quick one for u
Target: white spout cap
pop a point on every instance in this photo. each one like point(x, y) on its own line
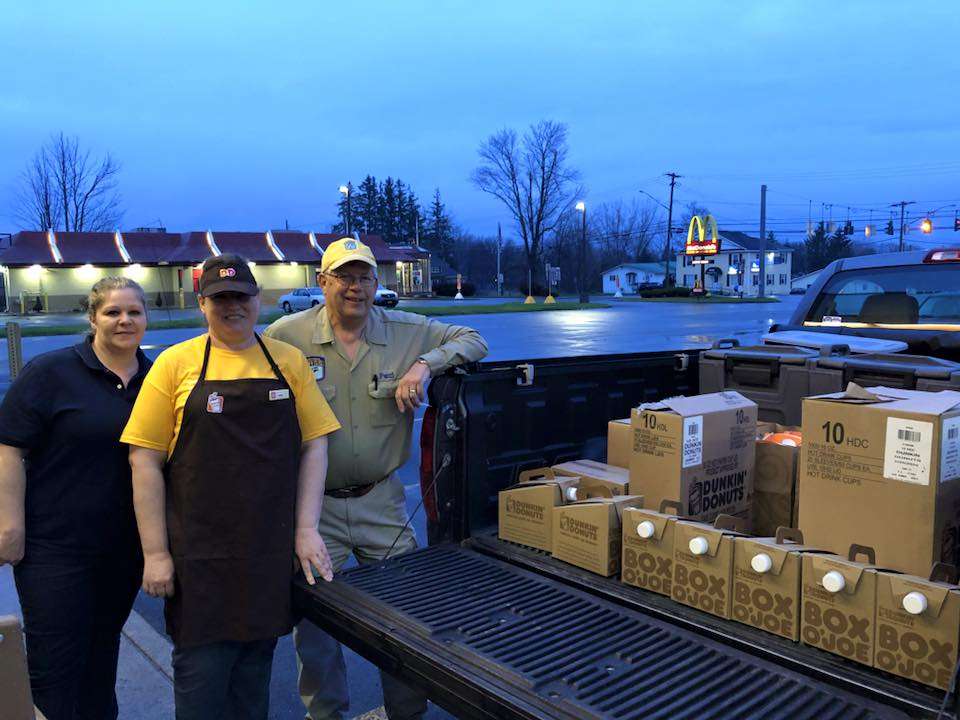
point(761, 563)
point(646, 529)
point(834, 582)
point(699, 545)
point(571, 494)
point(915, 603)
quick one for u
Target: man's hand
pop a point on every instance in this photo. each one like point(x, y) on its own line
point(410, 391)
point(158, 574)
point(311, 551)
point(11, 545)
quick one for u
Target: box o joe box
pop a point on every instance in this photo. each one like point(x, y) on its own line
point(619, 442)
point(703, 563)
point(839, 603)
point(697, 449)
point(525, 513)
point(595, 475)
point(648, 547)
point(588, 533)
point(918, 625)
point(766, 582)
point(881, 466)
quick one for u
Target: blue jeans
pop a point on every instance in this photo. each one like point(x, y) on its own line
point(229, 680)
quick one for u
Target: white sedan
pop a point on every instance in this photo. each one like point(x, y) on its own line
point(302, 299)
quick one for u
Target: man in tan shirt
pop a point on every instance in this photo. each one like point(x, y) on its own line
point(372, 365)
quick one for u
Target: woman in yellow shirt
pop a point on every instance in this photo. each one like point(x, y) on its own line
point(229, 455)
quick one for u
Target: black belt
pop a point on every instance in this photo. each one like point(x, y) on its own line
point(352, 491)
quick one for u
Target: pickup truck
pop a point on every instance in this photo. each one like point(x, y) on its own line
point(491, 629)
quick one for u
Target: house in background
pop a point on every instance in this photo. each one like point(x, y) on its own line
point(631, 277)
point(737, 265)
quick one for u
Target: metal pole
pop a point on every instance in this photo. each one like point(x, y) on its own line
point(349, 219)
point(14, 349)
point(499, 275)
point(763, 240)
point(666, 260)
point(584, 297)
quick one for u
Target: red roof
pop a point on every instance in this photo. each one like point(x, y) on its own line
point(190, 248)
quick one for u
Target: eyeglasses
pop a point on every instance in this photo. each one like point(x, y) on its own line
point(348, 280)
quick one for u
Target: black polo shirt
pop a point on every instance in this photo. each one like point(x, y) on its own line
point(68, 410)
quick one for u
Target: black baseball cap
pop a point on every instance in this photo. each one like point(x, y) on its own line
point(227, 273)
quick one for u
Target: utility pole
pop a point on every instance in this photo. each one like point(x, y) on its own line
point(666, 260)
point(584, 295)
point(499, 249)
point(903, 207)
point(763, 240)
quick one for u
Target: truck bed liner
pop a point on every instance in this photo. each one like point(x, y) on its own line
point(487, 639)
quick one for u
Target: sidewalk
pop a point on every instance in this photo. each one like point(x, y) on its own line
point(144, 676)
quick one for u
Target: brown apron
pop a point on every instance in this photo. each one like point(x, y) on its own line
point(231, 503)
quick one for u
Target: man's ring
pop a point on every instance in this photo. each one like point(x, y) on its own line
point(413, 391)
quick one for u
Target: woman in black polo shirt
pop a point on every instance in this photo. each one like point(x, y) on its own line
point(66, 507)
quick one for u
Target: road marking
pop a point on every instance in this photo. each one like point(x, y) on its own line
point(151, 644)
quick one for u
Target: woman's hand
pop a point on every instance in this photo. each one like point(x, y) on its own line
point(11, 545)
point(158, 574)
point(311, 551)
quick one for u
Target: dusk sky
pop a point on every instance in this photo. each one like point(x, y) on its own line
point(241, 115)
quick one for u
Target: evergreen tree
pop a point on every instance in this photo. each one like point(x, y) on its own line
point(340, 228)
point(388, 211)
point(366, 206)
point(439, 230)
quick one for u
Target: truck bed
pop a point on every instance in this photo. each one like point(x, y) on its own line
point(492, 630)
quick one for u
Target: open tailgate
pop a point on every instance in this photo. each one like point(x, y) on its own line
point(487, 638)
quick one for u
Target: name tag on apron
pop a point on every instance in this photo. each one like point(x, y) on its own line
point(280, 394)
point(215, 403)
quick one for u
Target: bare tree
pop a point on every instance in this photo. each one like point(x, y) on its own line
point(531, 177)
point(64, 188)
point(624, 231)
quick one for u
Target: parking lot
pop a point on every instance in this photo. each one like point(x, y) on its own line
point(622, 328)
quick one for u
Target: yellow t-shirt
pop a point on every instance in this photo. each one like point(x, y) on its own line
point(158, 412)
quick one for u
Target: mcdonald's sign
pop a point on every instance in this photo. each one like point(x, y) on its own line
point(702, 238)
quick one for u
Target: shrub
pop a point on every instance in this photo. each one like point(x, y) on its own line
point(468, 289)
point(676, 291)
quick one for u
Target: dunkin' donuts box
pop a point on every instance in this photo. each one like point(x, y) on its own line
point(766, 582)
point(594, 476)
point(526, 509)
point(697, 449)
point(881, 466)
point(648, 548)
point(588, 533)
point(619, 442)
point(918, 625)
point(839, 603)
point(703, 563)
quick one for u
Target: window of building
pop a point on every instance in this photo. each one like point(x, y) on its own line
point(631, 278)
point(783, 279)
point(613, 278)
point(756, 279)
point(769, 279)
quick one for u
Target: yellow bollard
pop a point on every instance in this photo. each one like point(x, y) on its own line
point(530, 300)
point(549, 300)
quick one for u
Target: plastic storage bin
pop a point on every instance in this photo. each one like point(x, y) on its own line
point(775, 377)
point(831, 373)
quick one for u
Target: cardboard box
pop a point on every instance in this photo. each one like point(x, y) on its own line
point(594, 476)
point(918, 626)
point(648, 548)
point(588, 533)
point(619, 442)
point(882, 467)
point(703, 563)
point(526, 509)
point(766, 582)
point(699, 450)
point(774, 482)
point(839, 599)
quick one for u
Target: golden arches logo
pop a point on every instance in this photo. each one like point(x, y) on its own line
point(699, 242)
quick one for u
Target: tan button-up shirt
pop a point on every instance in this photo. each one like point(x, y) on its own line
point(375, 437)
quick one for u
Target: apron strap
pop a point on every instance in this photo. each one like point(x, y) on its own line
point(206, 359)
point(266, 354)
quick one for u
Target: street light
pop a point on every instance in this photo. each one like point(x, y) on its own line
point(581, 207)
point(345, 190)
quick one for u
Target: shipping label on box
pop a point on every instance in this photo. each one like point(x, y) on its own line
point(839, 606)
point(766, 583)
point(595, 477)
point(918, 628)
point(699, 449)
point(619, 442)
point(588, 533)
point(887, 450)
point(703, 567)
point(648, 538)
point(525, 512)
point(775, 480)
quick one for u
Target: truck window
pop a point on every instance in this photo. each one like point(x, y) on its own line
point(921, 294)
